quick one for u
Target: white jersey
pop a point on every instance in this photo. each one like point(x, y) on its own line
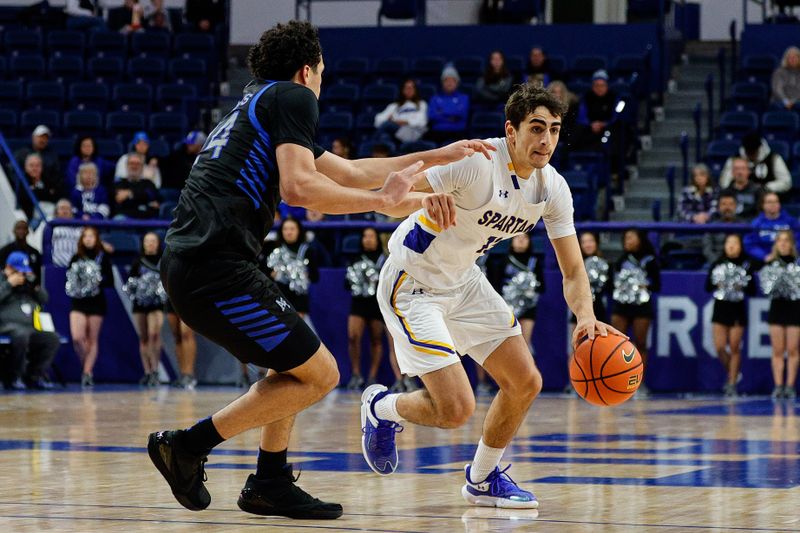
point(493, 203)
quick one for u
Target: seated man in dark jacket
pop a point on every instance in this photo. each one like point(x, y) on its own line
point(32, 350)
point(134, 196)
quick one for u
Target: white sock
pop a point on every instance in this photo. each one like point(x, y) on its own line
point(386, 408)
point(486, 460)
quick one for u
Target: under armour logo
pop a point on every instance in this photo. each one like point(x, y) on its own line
point(282, 303)
point(417, 291)
point(503, 194)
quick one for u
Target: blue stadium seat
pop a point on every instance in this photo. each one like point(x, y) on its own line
point(105, 69)
point(365, 126)
point(351, 244)
point(45, 95)
point(8, 122)
point(11, 94)
point(3, 68)
point(579, 87)
point(110, 149)
point(169, 195)
point(26, 68)
point(583, 193)
point(170, 126)
point(178, 97)
point(335, 123)
point(428, 69)
point(365, 148)
point(415, 146)
point(197, 45)
point(758, 67)
point(159, 148)
point(780, 125)
point(377, 96)
point(485, 124)
point(339, 97)
point(105, 44)
point(33, 117)
point(132, 97)
point(516, 66)
point(624, 65)
point(146, 69)
point(594, 164)
point(64, 148)
point(66, 43)
point(734, 124)
point(190, 72)
point(22, 42)
point(65, 69)
point(748, 96)
point(469, 67)
point(83, 123)
point(123, 124)
point(151, 44)
point(351, 70)
point(88, 96)
point(558, 64)
point(426, 91)
point(718, 153)
point(390, 69)
point(123, 242)
point(782, 148)
point(584, 66)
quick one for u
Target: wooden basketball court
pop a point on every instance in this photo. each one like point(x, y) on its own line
point(74, 461)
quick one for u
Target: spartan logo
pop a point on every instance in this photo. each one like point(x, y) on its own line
point(628, 357)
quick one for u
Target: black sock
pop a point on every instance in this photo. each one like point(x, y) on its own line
point(201, 437)
point(270, 464)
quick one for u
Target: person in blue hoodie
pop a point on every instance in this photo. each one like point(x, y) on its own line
point(448, 110)
point(767, 225)
point(89, 198)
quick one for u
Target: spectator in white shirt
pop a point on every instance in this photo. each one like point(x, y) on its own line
point(405, 120)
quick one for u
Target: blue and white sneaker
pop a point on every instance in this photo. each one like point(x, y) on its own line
point(377, 439)
point(497, 490)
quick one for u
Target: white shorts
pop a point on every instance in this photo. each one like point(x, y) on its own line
point(431, 328)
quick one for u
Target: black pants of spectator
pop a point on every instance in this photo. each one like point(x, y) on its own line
point(31, 352)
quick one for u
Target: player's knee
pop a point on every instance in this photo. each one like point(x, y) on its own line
point(527, 384)
point(456, 410)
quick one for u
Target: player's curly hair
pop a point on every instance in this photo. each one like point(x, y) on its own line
point(283, 50)
point(527, 97)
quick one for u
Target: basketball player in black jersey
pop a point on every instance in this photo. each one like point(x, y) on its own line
point(262, 151)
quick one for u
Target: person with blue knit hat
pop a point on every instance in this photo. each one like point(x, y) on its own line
point(448, 110)
point(766, 226)
point(32, 350)
point(141, 145)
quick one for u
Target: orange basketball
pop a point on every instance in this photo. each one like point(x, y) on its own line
point(606, 370)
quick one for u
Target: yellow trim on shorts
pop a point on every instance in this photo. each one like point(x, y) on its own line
point(450, 350)
point(429, 224)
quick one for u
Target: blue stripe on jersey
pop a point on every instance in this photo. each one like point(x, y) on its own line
point(238, 299)
point(239, 309)
point(515, 181)
point(249, 316)
point(254, 175)
point(258, 324)
point(266, 152)
point(263, 332)
point(251, 113)
point(241, 185)
point(269, 343)
point(418, 239)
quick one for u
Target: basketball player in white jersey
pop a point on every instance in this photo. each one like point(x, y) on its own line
point(438, 305)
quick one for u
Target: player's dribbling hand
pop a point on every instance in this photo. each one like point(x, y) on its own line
point(441, 209)
point(400, 183)
point(460, 149)
point(589, 327)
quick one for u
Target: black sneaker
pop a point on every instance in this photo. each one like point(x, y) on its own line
point(279, 496)
point(184, 471)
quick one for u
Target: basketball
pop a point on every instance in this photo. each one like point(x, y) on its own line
point(606, 370)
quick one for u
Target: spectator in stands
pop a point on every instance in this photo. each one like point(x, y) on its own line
point(127, 18)
point(568, 121)
point(406, 119)
point(148, 306)
point(141, 146)
point(698, 199)
point(495, 84)
point(448, 111)
point(86, 152)
point(520, 259)
point(724, 213)
point(20, 244)
point(342, 147)
point(597, 109)
point(730, 308)
point(179, 163)
point(786, 79)
point(784, 319)
point(185, 349)
point(364, 310)
point(766, 226)
point(134, 196)
point(746, 191)
point(767, 168)
point(538, 67)
point(637, 276)
point(156, 17)
point(46, 191)
point(32, 350)
point(89, 197)
point(380, 150)
point(40, 144)
point(84, 15)
point(88, 300)
point(205, 15)
point(64, 240)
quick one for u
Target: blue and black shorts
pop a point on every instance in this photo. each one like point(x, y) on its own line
point(229, 301)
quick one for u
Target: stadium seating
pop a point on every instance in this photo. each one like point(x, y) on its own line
point(88, 96)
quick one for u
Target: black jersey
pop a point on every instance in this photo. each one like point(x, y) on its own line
point(230, 198)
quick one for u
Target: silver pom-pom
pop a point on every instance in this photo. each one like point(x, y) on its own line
point(146, 290)
point(520, 292)
point(781, 281)
point(730, 281)
point(597, 270)
point(289, 270)
point(363, 278)
point(83, 279)
point(630, 286)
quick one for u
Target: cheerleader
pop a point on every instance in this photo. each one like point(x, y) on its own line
point(364, 310)
point(88, 299)
point(522, 259)
point(636, 277)
point(148, 306)
point(780, 280)
point(294, 252)
point(185, 348)
point(730, 279)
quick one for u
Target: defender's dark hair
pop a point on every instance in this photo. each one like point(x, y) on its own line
point(526, 98)
point(283, 50)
